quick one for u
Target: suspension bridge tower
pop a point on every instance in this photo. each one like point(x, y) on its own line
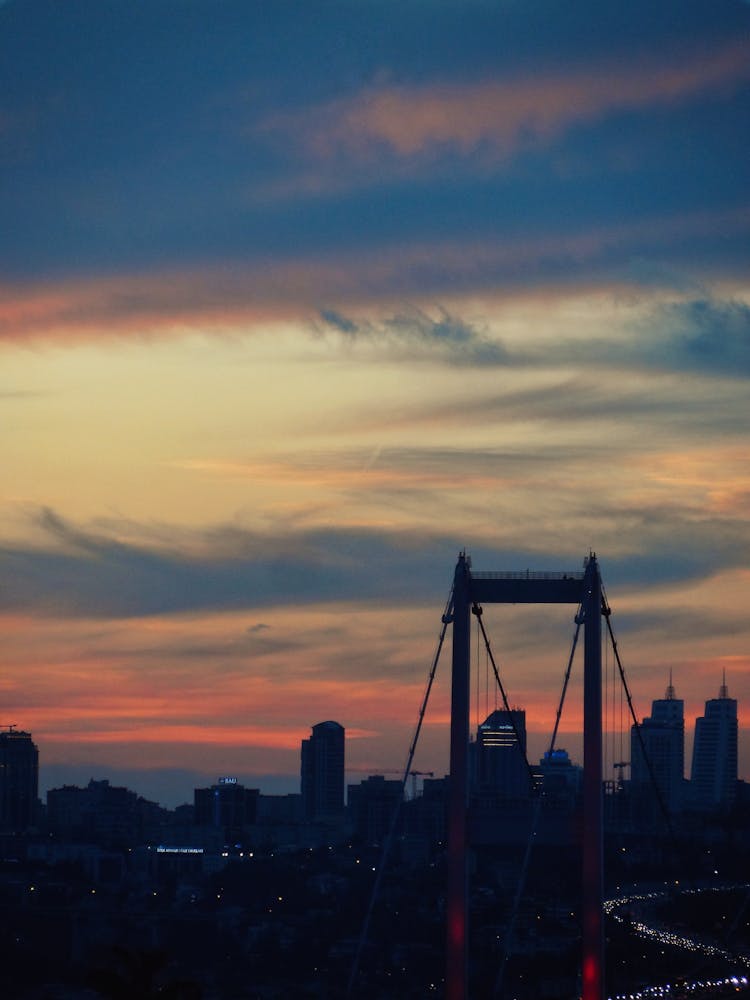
point(470, 590)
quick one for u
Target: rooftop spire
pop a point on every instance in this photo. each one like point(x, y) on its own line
point(670, 687)
point(724, 690)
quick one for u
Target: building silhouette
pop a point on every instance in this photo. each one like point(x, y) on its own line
point(372, 804)
point(662, 735)
point(227, 806)
point(713, 776)
point(322, 772)
point(561, 780)
point(101, 813)
point(19, 781)
point(500, 766)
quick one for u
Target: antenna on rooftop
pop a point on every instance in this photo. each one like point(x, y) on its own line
point(724, 690)
point(670, 687)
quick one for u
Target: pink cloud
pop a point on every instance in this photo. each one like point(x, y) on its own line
point(507, 114)
point(252, 295)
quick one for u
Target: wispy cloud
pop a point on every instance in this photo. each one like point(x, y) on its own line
point(708, 335)
point(414, 331)
point(96, 576)
point(335, 286)
point(497, 117)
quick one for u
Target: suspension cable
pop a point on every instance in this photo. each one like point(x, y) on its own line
point(607, 613)
point(487, 685)
point(521, 885)
point(605, 720)
point(578, 622)
point(476, 702)
point(477, 610)
point(446, 619)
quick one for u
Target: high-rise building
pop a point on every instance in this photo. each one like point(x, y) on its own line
point(322, 772)
point(19, 781)
point(500, 755)
point(713, 776)
point(663, 737)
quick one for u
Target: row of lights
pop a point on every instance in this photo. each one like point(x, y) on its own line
point(675, 941)
point(687, 944)
point(739, 982)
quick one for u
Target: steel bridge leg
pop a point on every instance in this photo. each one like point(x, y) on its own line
point(593, 853)
point(456, 976)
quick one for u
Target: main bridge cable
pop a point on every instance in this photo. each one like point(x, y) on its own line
point(476, 610)
point(607, 615)
point(520, 887)
point(446, 620)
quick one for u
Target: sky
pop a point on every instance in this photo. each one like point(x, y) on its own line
point(299, 300)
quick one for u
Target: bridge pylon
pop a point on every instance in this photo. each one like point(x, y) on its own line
point(583, 589)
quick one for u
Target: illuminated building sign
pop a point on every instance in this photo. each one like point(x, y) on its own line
point(179, 850)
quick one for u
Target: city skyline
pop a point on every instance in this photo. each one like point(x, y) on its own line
point(294, 309)
point(173, 786)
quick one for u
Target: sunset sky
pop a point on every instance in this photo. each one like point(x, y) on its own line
point(298, 300)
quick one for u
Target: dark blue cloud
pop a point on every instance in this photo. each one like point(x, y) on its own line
point(88, 574)
point(339, 322)
point(444, 336)
point(711, 336)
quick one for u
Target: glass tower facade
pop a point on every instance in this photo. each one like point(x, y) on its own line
point(713, 776)
point(19, 781)
point(663, 737)
point(322, 772)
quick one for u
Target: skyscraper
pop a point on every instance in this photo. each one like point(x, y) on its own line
point(500, 755)
point(19, 781)
point(663, 736)
point(713, 776)
point(322, 772)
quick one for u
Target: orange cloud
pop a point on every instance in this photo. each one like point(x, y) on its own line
point(331, 476)
point(508, 113)
point(719, 487)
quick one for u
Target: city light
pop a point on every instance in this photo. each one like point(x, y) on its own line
point(666, 937)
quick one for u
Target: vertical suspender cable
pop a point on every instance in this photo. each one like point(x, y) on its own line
point(607, 613)
point(535, 820)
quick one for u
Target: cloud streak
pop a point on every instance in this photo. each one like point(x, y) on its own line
point(255, 295)
point(496, 118)
point(415, 332)
point(92, 575)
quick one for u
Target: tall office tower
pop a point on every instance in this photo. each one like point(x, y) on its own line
point(663, 736)
point(323, 772)
point(19, 781)
point(500, 755)
point(713, 776)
